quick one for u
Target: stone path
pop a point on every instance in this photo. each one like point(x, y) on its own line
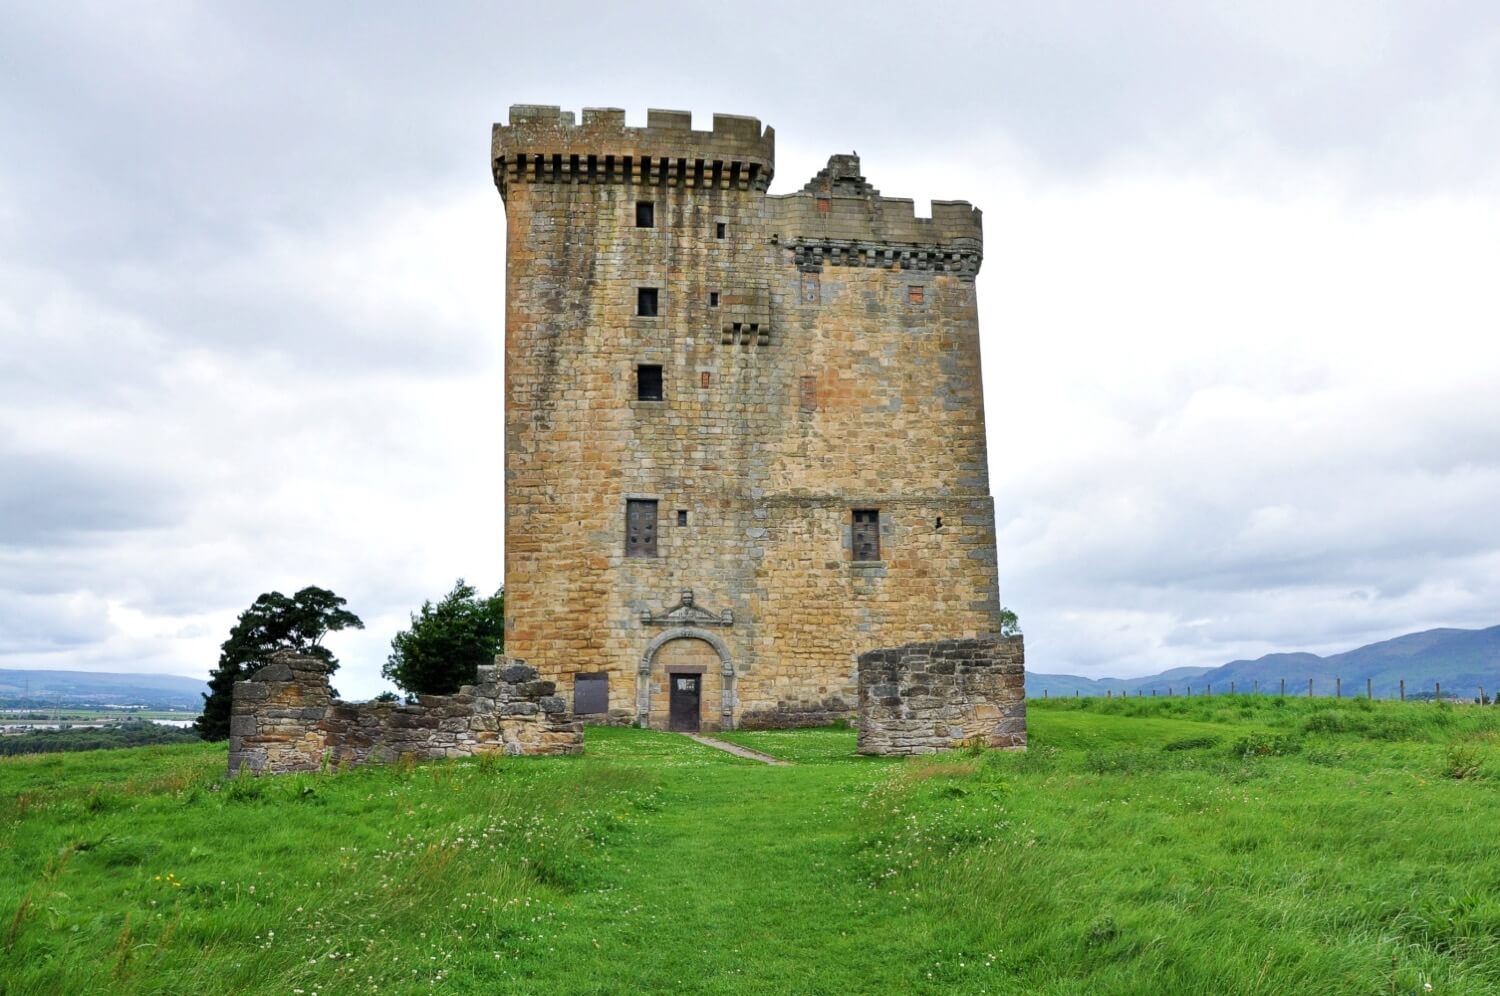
point(736, 750)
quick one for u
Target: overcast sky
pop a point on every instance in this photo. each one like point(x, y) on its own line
point(1240, 300)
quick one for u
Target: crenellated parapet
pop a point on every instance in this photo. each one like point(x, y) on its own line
point(839, 219)
point(544, 144)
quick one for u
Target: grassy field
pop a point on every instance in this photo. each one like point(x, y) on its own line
point(1226, 845)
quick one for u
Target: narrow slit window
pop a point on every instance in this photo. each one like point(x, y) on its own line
point(866, 535)
point(645, 302)
point(682, 516)
point(648, 382)
point(640, 528)
point(721, 230)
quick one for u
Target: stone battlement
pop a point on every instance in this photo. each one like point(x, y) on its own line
point(545, 144)
point(285, 718)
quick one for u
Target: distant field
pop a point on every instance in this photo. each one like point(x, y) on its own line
point(1226, 845)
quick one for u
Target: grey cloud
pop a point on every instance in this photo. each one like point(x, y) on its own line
point(49, 501)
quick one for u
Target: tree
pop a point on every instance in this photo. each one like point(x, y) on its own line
point(1010, 623)
point(273, 622)
point(447, 642)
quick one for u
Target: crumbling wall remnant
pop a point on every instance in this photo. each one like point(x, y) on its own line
point(285, 718)
point(922, 698)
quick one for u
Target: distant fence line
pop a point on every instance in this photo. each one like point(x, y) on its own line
point(1207, 689)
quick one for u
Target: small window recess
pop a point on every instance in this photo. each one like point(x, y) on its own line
point(646, 299)
point(915, 294)
point(645, 214)
point(865, 535)
point(713, 299)
point(721, 230)
point(939, 523)
point(682, 517)
point(705, 378)
point(648, 382)
point(640, 528)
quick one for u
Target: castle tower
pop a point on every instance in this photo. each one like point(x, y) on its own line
point(744, 434)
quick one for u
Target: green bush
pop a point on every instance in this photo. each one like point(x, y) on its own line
point(1267, 745)
point(1192, 743)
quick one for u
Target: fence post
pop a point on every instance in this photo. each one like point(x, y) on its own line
point(1439, 694)
point(1209, 688)
point(1368, 694)
point(1283, 687)
point(1257, 686)
point(1044, 693)
point(1231, 688)
point(1481, 695)
point(1309, 688)
point(1403, 689)
point(1338, 688)
point(1109, 693)
point(1189, 691)
point(1169, 691)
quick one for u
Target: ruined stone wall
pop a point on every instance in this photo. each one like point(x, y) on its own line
point(820, 354)
point(928, 697)
point(285, 719)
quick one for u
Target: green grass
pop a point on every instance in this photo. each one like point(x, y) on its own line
point(1176, 846)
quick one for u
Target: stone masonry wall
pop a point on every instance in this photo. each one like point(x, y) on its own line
point(285, 719)
point(819, 354)
point(927, 697)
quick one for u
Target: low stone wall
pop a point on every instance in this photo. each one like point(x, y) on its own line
point(286, 719)
point(927, 697)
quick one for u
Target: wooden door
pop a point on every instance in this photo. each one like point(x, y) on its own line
point(685, 695)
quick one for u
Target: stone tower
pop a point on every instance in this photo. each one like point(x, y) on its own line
point(744, 434)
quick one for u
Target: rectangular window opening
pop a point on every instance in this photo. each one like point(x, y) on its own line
point(713, 299)
point(645, 214)
point(640, 528)
point(915, 294)
point(866, 534)
point(682, 516)
point(705, 378)
point(648, 382)
point(645, 302)
point(721, 230)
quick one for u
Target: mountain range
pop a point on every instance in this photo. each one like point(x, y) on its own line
point(1462, 660)
point(45, 689)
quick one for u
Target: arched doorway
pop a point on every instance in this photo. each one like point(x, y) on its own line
point(686, 683)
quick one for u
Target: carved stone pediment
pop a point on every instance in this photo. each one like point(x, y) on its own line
point(687, 613)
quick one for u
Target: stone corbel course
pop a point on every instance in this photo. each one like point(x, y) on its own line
point(928, 697)
point(286, 719)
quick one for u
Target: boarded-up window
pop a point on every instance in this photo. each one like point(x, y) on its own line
point(915, 294)
point(705, 378)
point(866, 534)
point(591, 693)
point(809, 394)
point(640, 528)
point(824, 205)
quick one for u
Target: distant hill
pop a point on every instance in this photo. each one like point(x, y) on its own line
point(37, 688)
point(1461, 659)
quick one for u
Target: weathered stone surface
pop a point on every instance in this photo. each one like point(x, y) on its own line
point(284, 719)
point(819, 354)
point(928, 697)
